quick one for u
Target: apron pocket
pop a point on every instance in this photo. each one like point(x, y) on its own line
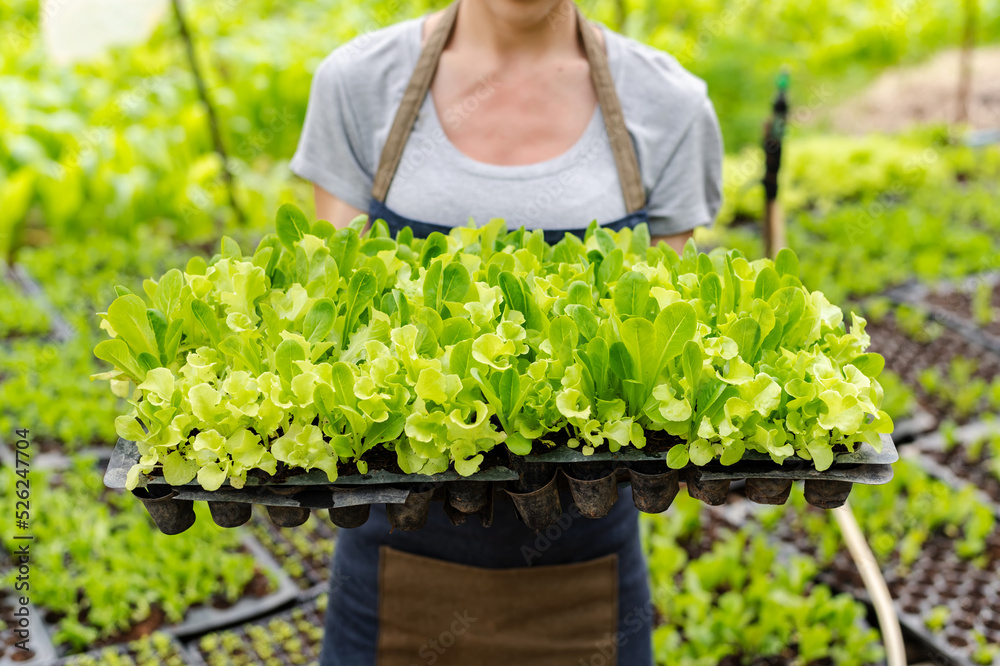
point(445, 614)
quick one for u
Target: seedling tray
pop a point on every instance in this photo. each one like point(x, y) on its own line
point(205, 618)
point(40, 649)
point(60, 330)
point(937, 578)
point(159, 648)
point(949, 304)
point(908, 358)
point(953, 468)
point(304, 552)
point(275, 636)
point(531, 481)
point(202, 618)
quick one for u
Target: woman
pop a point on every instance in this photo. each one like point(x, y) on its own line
point(518, 109)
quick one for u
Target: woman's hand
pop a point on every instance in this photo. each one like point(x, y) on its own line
point(332, 209)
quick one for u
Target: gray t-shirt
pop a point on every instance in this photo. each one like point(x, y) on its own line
point(357, 89)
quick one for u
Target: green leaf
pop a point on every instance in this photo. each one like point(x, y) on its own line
point(767, 283)
point(675, 325)
point(291, 225)
point(127, 315)
point(621, 362)
point(319, 321)
point(360, 294)
point(871, 365)
point(509, 391)
point(117, 353)
point(206, 317)
point(432, 286)
point(701, 452)
point(631, 294)
point(711, 290)
point(285, 356)
point(455, 283)
point(640, 339)
point(691, 362)
point(513, 293)
point(677, 457)
point(733, 453)
point(821, 453)
point(585, 320)
point(563, 336)
point(746, 333)
point(786, 263)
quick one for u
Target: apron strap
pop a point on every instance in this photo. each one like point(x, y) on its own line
point(406, 115)
point(607, 99)
point(614, 120)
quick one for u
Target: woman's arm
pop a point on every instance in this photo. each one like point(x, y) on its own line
point(333, 210)
point(675, 241)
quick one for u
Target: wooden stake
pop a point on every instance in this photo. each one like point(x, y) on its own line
point(965, 62)
point(774, 229)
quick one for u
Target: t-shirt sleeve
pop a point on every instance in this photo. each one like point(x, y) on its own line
point(688, 191)
point(331, 149)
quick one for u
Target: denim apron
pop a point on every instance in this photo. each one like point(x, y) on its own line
point(574, 594)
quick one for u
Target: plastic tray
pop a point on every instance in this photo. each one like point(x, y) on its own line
point(39, 642)
point(532, 482)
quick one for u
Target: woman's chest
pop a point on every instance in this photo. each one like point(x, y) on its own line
point(438, 183)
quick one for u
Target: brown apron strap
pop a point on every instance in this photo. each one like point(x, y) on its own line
point(607, 98)
point(614, 120)
point(414, 96)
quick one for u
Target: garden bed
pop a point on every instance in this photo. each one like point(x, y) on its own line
point(268, 589)
point(970, 305)
point(305, 553)
point(35, 314)
point(703, 570)
point(939, 551)
point(966, 455)
point(157, 649)
point(952, 374)
point(290, 637)
point(87, 531)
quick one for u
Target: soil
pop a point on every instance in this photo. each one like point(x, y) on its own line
point(926, 93)
point(908, 358)
point(959, 303)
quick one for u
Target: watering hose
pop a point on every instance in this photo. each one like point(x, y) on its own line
point(878, 591)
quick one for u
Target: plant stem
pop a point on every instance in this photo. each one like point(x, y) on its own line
point(213, 120)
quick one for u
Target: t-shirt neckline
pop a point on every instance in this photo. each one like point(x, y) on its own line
point(585, 144)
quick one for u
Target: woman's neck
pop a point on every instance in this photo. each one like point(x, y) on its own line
point(512, 29)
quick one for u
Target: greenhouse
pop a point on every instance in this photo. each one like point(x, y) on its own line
point(494, 332)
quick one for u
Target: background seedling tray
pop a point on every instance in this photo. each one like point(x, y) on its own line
point(929, 452)
point(310, 615)
point(937, 578)
point(39, 643)
point(60, 330)
point(200, 619)
point(304, 552)
point(175, 654)
point(923, 296)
